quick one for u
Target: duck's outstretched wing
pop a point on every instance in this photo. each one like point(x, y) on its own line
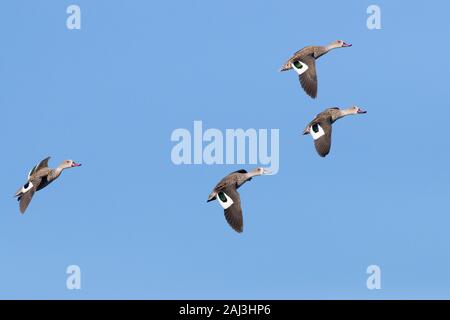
point(26, 194)
point(39, 166)
point(308, 79)
point(233, 214)
point(25, 200)
point(321, 130)
point(42, 164)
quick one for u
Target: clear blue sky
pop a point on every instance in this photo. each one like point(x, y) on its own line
point(110, 95)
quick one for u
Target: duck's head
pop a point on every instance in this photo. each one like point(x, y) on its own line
point(69, 164)
point(357, 110)
point(341, 44)
point(261, 171)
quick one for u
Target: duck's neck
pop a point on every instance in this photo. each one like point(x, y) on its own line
point(343, 113)
point(346, 112)
point(320, 51)
point(330, 47)
point(252, 174)
point(56, 172)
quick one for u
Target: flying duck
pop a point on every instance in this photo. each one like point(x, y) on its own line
point(304, 62)
point(320, 128)
point(38, 178)
point(226, 194)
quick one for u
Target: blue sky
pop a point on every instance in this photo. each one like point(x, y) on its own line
point(110, 95)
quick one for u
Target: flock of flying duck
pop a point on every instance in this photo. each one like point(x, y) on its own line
point(320, 128)
point(225, 192)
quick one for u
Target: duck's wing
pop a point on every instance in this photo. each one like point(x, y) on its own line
point(42, 164)
point(320, 130)
point(26, 193)
point(233, 214)
point(31, 172)
point(39, 166)
point(25, 199)
point(308, 79)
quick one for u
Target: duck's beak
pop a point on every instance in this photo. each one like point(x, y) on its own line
point(267, 171)
point(361, 111)
point(76, 164)
point(346, 45)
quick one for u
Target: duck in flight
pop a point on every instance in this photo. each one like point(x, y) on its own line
point(38, 178)
point(320, 127)
point(306, 59)
point(226, 193)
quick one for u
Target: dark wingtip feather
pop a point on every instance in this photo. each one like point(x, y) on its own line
point(311, 93)
point(322, 153)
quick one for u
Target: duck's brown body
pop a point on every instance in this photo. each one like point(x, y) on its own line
point(309, 51)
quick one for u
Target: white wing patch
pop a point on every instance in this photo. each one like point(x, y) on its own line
point(318, 134)
point(300, 67)
point(225, 204)
point(26, 187)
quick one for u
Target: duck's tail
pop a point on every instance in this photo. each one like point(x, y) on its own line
point(212, 196)
point(286, 66)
